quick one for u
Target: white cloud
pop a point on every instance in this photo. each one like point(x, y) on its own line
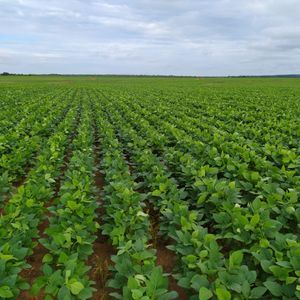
point(211, 37)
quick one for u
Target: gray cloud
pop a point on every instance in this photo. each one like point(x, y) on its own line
point(192, 37)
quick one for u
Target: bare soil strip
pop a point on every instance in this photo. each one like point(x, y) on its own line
point(165, 257)
point(36, 259)
point(100, 260)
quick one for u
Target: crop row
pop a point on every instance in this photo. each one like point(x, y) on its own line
point(246, 228)
point(136, 275)
point(24, 210)
point(210, 174)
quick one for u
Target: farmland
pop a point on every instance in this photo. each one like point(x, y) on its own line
point(149, 188)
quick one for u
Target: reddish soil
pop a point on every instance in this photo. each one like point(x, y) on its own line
point(154, 222)
point(36, 259)
point(24, 295)
point(167, 259)
point(100, 260)
point(99, 181)
point(20, 181)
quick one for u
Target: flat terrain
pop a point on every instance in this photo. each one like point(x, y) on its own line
point(149, 188)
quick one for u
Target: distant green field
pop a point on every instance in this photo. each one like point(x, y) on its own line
point(148, 80)
point(149, 188)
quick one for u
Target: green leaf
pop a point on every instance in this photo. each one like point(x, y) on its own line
point(257, 292)
point(64, 294)
point(236, 258)
point(184, 282)
point(290, 280)
point(223, 294)
point(156, 193)
point(246, 288)
point(6, 257)
point(5, 292)
point(29, 202)
point(157, 280)
point(24, 286)
point(265, 264)
point(264, 243)
point(169, 296)
point(136, 294)
point(202, 198)
point(63, 257)
point(273, 287)
point(132, 283)
point(47, 270)
point(198, 281)
point(116, 295)
point(72, 205)
point(205, 293)
point(37, 285)
point(47, 258)
point(76, 287)
point(279, 272)
point(254, 220)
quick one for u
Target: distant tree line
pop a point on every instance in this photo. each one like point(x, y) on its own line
point(267, 76)
point(13, 74)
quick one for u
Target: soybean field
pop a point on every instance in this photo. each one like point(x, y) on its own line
point(151, 188)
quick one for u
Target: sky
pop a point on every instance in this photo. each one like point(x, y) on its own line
point(176, 37)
